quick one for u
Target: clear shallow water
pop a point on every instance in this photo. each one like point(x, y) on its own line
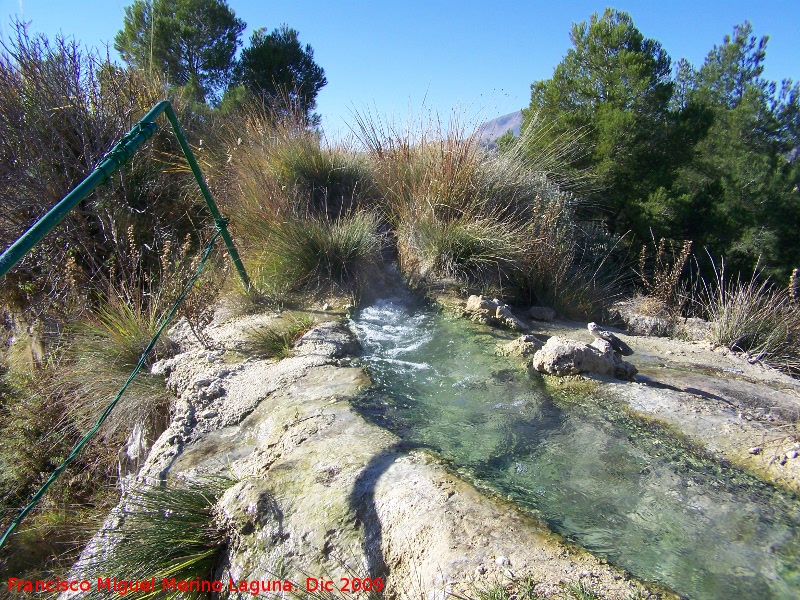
point(623, 488)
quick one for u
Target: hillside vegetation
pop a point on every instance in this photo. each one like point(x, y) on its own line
point(592, 203)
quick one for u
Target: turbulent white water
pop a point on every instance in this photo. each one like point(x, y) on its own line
point(625, 489)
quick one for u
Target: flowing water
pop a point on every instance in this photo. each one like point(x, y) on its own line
point(625, 489)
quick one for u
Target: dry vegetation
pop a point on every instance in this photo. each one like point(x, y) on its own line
point(309, 218)
point(488, 222)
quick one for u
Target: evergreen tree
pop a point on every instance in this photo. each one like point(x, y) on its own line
point(740, 196)
point(615, 85)
point(192, 42)
point(277, 67)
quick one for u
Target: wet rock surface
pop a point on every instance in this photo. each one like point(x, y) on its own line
point(320, 490)
point(720, 400)
point(723, 401)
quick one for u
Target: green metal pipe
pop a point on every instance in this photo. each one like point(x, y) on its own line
point(212, 206)
point(117, 157)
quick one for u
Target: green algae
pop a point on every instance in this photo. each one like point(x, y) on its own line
point(626, 488)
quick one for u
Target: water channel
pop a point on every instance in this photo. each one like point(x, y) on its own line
point(625, 489)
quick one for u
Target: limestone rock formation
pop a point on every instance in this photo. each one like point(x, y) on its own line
point(508, 319)
point(643, 318)
point(482, 309)
point(524, 345)
point(541, 313)
point(603, 334)
point(562, 356)
point(322, 491)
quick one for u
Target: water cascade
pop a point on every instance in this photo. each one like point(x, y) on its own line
point(628, 490)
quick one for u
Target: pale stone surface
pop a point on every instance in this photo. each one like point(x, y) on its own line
point(637, 322)
point(599, 333)
point(318, 485)
point(524, 345)
point(562, 356)
point(507, 318)
point(482, 309)
point(479, 303)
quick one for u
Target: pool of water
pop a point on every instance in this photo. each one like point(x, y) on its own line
point(625, 489)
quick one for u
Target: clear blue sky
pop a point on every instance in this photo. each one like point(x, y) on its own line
point(476, 57)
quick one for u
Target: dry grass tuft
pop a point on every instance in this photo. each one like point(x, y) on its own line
point(495, 222)
point(754, 317)
point(309, 207)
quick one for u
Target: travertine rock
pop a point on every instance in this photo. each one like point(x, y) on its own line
point(562, 356)
point(524, 345)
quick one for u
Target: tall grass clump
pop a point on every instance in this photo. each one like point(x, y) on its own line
point(514, 589)
point(312, 252)
point(102, 352)
point(756, 317)
point(308, 206)
point(35, 435)
point(446, 223)
point(496, 222)
point(478, 249)
point(167, 530)
point(276, 340)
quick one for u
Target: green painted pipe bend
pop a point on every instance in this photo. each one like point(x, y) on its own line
point(112, 161)
point(115, 159)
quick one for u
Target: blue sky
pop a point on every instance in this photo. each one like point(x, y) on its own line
point(479, 58)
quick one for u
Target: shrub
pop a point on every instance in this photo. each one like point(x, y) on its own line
point(279, 166)
point(307, 253)
point(302, 203)
point(35, 434)
point(495, 221)
point(473, 250)
point(102, 353)
point(754, 317)
point(661, 279)
point(61, 110)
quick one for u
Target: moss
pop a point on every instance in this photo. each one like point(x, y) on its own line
point(570, 389)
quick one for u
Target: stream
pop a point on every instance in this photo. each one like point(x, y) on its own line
point(626, 489)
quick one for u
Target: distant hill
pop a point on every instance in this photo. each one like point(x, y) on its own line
point(491, 130)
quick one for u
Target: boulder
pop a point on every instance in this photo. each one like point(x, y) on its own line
point(644, 318)
point(562, 356)
point(603, 334)
point(478, 303)
point(524, 345)
point(692, 328)
point(542, 313)
point(507, 318)
point(482, 309)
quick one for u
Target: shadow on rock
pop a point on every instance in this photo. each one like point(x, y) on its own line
point(362, 502)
